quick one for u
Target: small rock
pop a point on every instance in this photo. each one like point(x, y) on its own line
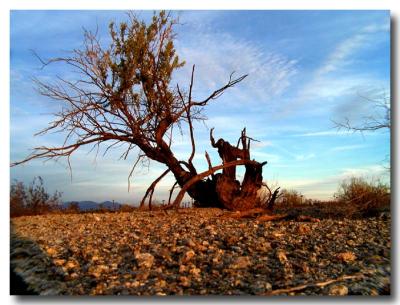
point(338, 290)
point(51, 251)
point(190, 243)
point(95, 258)
point(351, 243)
point(182, 268)
point(188, 256)
point(268, 286)
point(184, 281)
point(346, 257)
point(97, 271)
point(59, 262)
point(195, 272)
point(71, 264)
point(96, 274)
point(313, 258)
point(74, 276)
point(162, 284)
point(303, 229)
point(145, 260)
point(281, 255)
point(210, 230)
point(241, 262)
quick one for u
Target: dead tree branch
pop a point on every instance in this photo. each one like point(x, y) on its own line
point(311, 285)
point(151, 188)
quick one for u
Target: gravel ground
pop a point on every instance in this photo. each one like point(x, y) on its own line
point(199, 252)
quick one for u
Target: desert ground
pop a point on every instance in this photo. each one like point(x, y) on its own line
point(200, 252)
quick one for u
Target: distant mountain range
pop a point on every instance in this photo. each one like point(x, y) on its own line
point(92, 205)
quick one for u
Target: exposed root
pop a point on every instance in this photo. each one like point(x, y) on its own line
point(247, 214)
point(307, 218)
point(261, 214)
point(267, 217)
point(320, 284)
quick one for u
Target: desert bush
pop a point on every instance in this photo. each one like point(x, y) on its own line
point(32, 200)
point(18, 198)
point(72, 208)
point(291, 198)
point(361, 196)
point(127, 208)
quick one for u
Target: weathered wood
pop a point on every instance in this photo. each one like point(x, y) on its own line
point(202, 175)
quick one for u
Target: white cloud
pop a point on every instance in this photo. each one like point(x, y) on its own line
point(371, 171)
point(261, 144)
point(343, 52)
point(320, 133)
point(333, 133)
point(347, 147)
point(332, 80)
point(217, 55)
point(303, 157)
point(323, 88)
point(338, 58)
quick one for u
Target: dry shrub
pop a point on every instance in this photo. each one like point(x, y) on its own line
point(72, 208)
point(127, 208)
point(32, 199)
point(360, 196)
point(291, 199)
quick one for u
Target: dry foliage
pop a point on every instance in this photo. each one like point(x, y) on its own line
point(32, 199)
point(359, 196)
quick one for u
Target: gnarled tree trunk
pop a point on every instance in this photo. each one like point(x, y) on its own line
point(223, 189)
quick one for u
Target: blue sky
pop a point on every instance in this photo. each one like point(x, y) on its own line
point(306, 68)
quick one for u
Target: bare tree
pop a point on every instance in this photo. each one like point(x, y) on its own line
point(379, 119)
point(124, 96)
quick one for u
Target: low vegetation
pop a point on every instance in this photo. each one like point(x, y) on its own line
point(33, 199)
point(356, 197)
point(361, 196)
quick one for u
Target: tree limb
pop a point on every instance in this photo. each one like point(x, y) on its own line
point(151, 188)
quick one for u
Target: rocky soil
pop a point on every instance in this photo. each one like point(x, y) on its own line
point(200, 252)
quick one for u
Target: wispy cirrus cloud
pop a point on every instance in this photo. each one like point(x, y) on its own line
point(343, 54)
point(329, 133)
point(335, 77)
point(304, 157)
point(321, 133)
point(217, 55)
point(347, 147)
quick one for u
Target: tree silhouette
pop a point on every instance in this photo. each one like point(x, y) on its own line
point(379, 119)
point(125, 96)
